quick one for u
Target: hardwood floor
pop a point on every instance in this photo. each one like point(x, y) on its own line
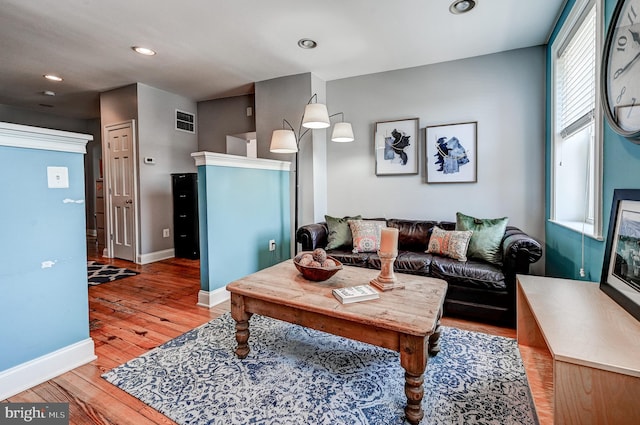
point(129, 317)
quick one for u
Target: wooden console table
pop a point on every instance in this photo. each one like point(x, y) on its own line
point(581, 351)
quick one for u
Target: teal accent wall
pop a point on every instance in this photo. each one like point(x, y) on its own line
point(240, 210)
point(43, 269)
point(621, 170)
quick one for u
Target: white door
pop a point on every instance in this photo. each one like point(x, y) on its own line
point(120, 152)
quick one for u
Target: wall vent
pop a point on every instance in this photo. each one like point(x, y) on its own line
point(185, 121)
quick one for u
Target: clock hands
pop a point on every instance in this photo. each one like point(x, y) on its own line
point(636, 37)
point(624, 68)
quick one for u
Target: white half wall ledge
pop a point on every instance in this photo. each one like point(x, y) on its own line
point(24, 136)
point(210, 299)
point(236, 161)
point(34, 372)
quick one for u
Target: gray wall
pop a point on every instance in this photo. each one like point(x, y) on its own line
point(221, 117)
point(503, 92)
point(46, 119)
point(119, 105)
point(278, 99)
point(171, 150)
point(285, 98)
point(316, 175)
point(154, 112)
point(92, 170)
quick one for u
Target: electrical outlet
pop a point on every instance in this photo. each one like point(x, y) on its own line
point(58, 177)
point(272, 245)
point(166, 233)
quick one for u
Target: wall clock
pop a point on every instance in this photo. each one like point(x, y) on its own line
point(620, 73)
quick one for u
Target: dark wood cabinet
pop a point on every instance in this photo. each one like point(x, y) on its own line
point(185, 215)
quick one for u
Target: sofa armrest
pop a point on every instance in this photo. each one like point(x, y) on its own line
point(312, 236)
point(519, 251)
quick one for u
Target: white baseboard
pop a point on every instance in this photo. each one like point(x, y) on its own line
point(37, 371)
point(156, 256)
point(209, 299)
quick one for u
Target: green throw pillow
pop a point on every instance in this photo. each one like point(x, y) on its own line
point(487, 236)
point(339, 231)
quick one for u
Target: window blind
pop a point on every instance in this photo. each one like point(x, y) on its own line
point(577, 78)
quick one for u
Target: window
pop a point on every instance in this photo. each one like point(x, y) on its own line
point(577, 136)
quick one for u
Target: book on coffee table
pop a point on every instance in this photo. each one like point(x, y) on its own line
point(355, 293)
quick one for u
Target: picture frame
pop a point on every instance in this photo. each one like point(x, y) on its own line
point(396, 147)
point(621, 264)
point(451, 153)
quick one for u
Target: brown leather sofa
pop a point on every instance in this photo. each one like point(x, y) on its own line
point(477, 290)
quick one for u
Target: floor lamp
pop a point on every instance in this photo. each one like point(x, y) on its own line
point(286, 140)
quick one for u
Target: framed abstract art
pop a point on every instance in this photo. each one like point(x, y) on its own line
point(396, 147)
point(451, 153)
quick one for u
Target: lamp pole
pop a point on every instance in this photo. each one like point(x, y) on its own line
point(298, 137)
point(295, 208)
point(315, 115)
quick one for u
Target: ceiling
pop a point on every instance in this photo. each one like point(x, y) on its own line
point(209, 49)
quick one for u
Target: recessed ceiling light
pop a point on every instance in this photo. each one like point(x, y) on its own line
point(49, 93)
point(307, 43)
point(462, 6)
point(52, 77)
point(144, 50)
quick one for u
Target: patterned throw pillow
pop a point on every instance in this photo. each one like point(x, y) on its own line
point(449, 243)
point(339, 231)
point(366, 234)
point(487, 236)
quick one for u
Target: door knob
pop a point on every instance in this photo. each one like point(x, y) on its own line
point(128, 201)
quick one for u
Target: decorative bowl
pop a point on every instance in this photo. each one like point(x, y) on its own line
point(316, 274)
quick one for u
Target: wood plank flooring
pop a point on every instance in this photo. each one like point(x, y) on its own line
point(129, 317)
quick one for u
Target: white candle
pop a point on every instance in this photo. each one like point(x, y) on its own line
point(389, 240)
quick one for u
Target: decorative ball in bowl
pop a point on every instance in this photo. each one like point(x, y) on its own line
point(317, 265)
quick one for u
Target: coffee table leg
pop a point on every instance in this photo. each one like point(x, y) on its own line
point(413, 358)
point(242, 325)
point(434, 338)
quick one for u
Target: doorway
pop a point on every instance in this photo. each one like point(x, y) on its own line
point(121, 224)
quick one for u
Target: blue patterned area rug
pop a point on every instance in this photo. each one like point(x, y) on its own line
point(295, 375)
point(101, 273)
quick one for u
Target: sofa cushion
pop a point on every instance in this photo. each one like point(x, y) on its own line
point(339, 231)
point(413, 235)
point(350, 258)
point(487, 236)
point(366, 234)
point(451, 244)
point(472, 273)
point(406, 262)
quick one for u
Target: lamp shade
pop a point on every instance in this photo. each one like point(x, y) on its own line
point(283, 141)
point(316, 116)
point(342, 132)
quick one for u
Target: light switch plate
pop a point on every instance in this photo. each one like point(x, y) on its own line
point(58, 177)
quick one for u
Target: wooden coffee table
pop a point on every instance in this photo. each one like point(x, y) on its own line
point(404, 320)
